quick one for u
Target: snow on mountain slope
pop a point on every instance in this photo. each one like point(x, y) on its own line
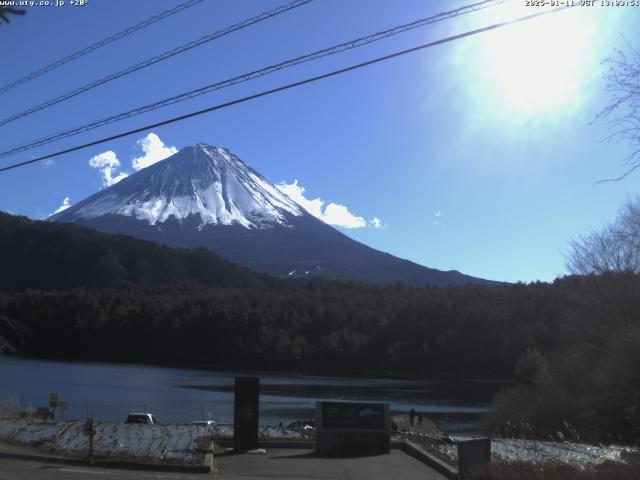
point(209, 182)
point(205, 196)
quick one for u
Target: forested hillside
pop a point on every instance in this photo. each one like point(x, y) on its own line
point(572, 346)
point(36, 254)
point(471, 331)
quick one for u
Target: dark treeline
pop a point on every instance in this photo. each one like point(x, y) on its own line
point(588, 386)
point(471, 331)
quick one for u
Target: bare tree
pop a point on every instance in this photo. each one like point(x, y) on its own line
point(614, 248)
point(623, 82)
point(11, 332)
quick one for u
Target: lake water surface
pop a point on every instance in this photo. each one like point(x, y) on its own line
point(109, 391)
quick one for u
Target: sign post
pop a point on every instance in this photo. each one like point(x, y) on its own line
point(53, 403)
point(246, 413)
point(90, 430)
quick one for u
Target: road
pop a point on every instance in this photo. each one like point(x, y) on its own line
point(11, 469)
point(280, 463)
point(275, 464)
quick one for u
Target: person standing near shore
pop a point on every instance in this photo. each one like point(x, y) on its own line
point(412, 416)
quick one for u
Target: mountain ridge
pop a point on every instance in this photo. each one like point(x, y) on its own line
point(36, 254)
point(205, 196)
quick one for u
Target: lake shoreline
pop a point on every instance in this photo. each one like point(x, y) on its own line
point(276, 370)
point(108, 391)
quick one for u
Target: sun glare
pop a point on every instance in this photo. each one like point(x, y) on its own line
point(537, 65)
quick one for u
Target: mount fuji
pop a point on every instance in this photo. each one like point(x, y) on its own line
point(206, 196)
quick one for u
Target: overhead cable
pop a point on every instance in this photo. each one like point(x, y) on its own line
point(286, 87)
point(359, 42)
point(100, 44)
point(158, 58)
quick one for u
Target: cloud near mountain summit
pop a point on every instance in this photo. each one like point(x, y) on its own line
point(333, 213)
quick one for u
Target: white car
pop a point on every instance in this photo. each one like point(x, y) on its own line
point(204, 423)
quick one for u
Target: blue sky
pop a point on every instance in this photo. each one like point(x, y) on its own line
point(479, 155)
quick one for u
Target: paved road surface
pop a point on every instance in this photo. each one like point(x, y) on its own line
point(276, 464)
point(26, 470)
point(303, 464)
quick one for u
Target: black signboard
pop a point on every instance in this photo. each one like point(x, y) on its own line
point(245, 417)
point(353, 415)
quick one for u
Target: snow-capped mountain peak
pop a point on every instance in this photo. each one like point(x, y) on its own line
point(205, 196)
point(205, 181)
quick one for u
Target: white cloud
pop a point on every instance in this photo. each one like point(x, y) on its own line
point(65, 204)
point(49, 162)
point(333, 213)
point(437, 214)
point(336, 214)
point(296, 193)
point(154, 150)
point(108, 163)
point(376, 223)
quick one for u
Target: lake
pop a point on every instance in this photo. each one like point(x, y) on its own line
point(108, 391)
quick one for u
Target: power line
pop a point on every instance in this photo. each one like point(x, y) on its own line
point(159, 58)
point(359, 42)
point(101, 43)
point(288, 86)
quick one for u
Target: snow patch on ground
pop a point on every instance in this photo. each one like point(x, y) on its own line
point(279, 432)
point(162, 443)
point(177, 443)
point(165, 443)
point(536, 451)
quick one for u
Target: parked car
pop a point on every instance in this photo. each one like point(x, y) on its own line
point(204, 423)
point(306, 427)
point(141, 418)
